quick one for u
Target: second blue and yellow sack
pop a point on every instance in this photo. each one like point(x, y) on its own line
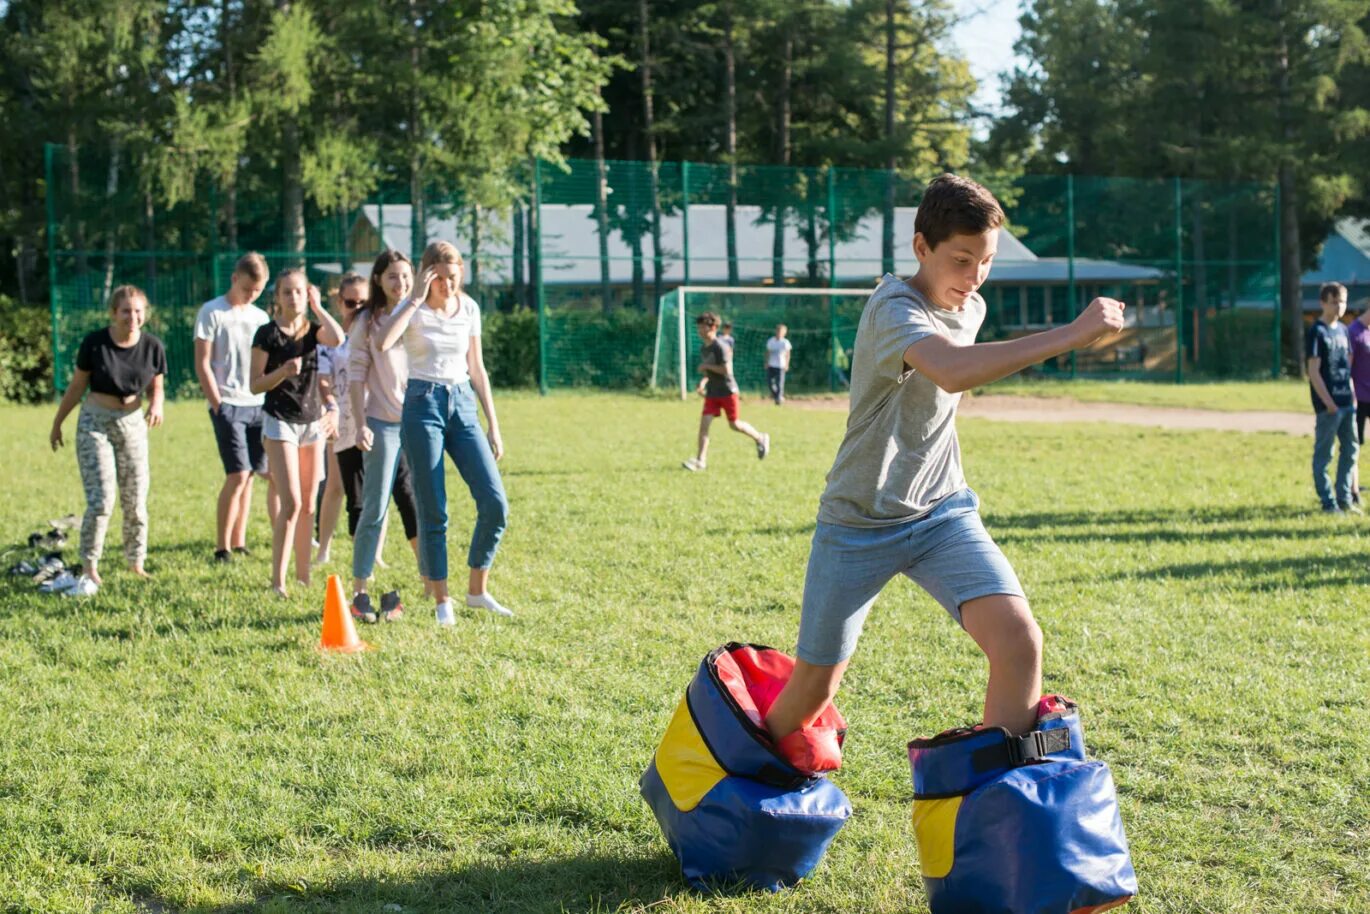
point(1019, 825)
point(733, 810)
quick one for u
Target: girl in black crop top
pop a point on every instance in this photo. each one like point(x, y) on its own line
point(114, 366)
point(285, 367)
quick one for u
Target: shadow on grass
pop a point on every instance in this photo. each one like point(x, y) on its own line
point(1257, 575)
point(576, 885)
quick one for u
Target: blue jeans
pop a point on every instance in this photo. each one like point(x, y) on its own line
point(442, 417)
point(379, 468)
point(1339, 426)
point(947, 552)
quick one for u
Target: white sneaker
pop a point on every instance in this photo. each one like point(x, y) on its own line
point(485, 601)
point(446, 617)
point(85, 587)
point(60, 584)
point(322, 558)
point(763, 447)
point(694, 465)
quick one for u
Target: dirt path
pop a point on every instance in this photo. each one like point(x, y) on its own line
point(1064, 409)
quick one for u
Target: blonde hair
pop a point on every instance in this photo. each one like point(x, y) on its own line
point(440, 252)
point(253, 266)
point(122, 294)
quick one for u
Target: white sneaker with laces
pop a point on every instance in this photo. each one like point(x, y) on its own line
point(485, 601)
point(446, 617)
point(694, 465)
point(85, 587)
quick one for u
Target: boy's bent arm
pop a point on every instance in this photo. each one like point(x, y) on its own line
point(959, 368)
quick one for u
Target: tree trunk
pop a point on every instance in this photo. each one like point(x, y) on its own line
point(1291, 273)
point(602, 212)
point(519, 254)
point(150, 239)
point(644, 23)
point(293, 191)
point(730, 75)
point(418, 216)
point(1200, 298)
point(230, 196)
point(782, 152)
point(111, 241)
point(891, 160)
point(1291, 259)
point(78, 224)
point(811, 229)
point(473, 263)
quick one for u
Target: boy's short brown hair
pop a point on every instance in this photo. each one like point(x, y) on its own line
point(1330, 290)
point(253, 266)
point(707, 319)
point(953, 205)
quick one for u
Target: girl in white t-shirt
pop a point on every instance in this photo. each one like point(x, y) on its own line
point(440, 326)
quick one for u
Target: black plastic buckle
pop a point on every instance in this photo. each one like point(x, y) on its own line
point(1022, 750)
point(1038, 745)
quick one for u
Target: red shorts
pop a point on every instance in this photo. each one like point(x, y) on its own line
point(725, 406)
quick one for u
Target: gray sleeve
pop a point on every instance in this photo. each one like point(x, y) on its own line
point(898, 324)
point(204, 323)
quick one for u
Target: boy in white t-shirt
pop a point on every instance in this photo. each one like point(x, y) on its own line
point(223, 360)
point(778, 362)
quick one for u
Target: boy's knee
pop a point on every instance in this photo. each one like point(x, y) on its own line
point(494, 508)
point(1004, 627)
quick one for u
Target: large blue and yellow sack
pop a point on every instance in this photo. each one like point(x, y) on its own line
point(734, 810)
point(1020, 825)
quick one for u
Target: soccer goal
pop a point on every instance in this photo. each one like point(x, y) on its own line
point(821, 326)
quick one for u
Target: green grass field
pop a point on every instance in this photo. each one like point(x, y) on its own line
point(1287, 395)
point(181, 745)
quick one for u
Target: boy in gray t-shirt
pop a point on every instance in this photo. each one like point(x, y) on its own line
point(896, 501)
point(719, 389)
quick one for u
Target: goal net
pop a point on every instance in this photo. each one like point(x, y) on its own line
point(821, 325)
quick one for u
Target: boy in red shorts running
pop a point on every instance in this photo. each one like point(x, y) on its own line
point(720, 392)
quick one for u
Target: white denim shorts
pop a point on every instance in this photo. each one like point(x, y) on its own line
point(296, 433)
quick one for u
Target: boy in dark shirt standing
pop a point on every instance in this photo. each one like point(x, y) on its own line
point(720, 392)
point(1334, 403)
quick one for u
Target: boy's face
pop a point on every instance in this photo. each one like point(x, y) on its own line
point(706, 332)
point(246, 289)
point(956, 268)
point(1334, 306)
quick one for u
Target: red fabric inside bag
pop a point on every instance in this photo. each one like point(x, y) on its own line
point(754, 678)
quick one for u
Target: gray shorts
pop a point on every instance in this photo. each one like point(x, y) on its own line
point(947, 552)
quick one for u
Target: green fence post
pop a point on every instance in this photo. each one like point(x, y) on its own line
point(1070, 258)
point(49, 191)
point(684, 221)
point(537, 276)
point(1276, 360)
point(832, 274)
point(1179, 286)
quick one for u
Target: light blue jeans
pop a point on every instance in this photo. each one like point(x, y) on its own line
point(379, 466)
point(947, 552)
point(1341, 427)
point(438, 418)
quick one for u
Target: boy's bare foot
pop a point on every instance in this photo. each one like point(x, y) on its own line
point(138, 570)
point(279, 591)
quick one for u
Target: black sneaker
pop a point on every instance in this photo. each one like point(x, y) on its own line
point(223, 556)
point(392, 610)
point(362, 610)
point(241, 550)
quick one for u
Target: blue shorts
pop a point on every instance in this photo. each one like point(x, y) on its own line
point(238, 432)
point(946, 551)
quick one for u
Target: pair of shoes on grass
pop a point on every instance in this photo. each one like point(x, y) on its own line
point(392, 610)
point(70, 585)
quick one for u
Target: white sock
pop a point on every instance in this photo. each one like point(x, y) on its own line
point(445, 614)
point(485, 601)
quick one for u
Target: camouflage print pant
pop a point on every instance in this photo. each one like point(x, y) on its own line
point(111, 448)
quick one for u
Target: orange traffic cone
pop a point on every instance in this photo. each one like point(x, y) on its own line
point(339, 634)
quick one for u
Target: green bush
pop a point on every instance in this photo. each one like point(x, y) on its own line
point(509, 342)
point(25, 352)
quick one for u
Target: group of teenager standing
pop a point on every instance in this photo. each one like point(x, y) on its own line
point(381, 396)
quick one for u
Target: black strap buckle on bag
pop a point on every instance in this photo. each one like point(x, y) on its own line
point(1022, 750)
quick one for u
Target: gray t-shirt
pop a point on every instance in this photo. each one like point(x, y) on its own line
point(899, 457)
point(718, 353)
point(230, 331)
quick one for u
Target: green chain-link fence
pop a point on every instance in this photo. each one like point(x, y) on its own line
point(571, 277)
